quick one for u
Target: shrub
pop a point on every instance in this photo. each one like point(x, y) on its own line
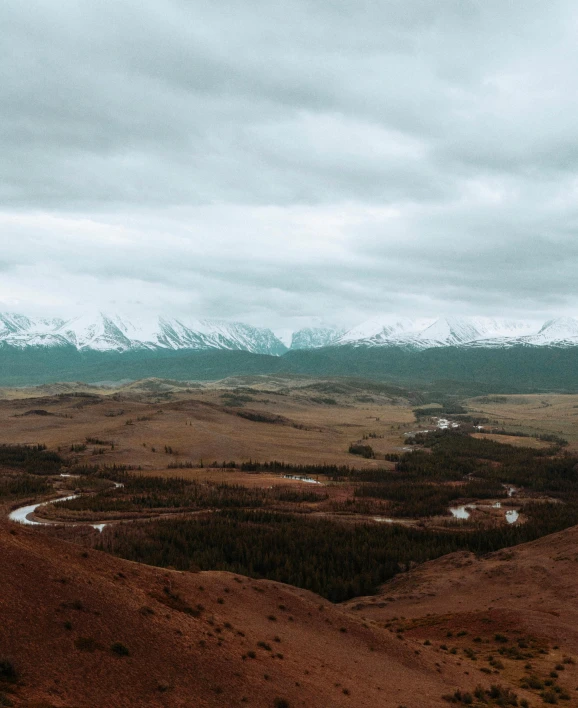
point(503, 696)
point(363, 450)
point(86, 644)
point(119, 649)
point(7, 670)
point(459, 697)
point(535, 683)
point(280, 703)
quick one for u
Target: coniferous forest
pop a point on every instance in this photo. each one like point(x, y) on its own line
point(322, 537)
point(340, 557)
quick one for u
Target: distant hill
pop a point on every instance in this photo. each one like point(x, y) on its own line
point(515, 368)
point(512, 369)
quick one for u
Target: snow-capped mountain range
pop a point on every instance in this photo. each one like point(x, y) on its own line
point(450, 331)
point(104, 332)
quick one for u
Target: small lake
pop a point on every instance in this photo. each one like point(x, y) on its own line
point(461, 512)
point(309, 480)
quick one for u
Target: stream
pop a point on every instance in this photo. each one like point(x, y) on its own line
point(21, 514)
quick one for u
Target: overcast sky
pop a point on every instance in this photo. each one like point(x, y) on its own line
point(289, 163)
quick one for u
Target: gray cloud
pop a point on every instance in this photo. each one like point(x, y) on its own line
point(282, 162)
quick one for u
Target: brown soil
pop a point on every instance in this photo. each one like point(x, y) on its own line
point(182, 656)
point(528, 592)
point(61, 610)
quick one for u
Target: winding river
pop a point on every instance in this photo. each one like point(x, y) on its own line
point(22, 514)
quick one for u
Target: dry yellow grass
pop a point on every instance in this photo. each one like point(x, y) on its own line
point(516, 440)
point(534, 413)
point(196, 426)
point(154, 423)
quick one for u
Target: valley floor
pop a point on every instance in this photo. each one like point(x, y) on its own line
point(81, 628)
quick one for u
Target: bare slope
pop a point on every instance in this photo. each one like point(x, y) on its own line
point(193, 639)
point(517, 606)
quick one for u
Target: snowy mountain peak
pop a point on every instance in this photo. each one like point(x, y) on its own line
point(384, 329)
point(315, 337)
point(557, 331)
point(112, 332)
point(453, 330)
point(462, 331)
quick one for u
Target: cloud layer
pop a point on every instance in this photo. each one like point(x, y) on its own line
point(287, 163)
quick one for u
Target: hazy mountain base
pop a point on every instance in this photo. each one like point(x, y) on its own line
point(476, 370)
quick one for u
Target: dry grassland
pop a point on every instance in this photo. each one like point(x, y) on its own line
point(152, 427)
point(534, 414)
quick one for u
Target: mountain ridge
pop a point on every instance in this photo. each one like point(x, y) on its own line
point(111, 332)
point(115, 333)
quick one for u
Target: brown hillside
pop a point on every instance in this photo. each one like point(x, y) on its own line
point(527, 595)
point(190, 638)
